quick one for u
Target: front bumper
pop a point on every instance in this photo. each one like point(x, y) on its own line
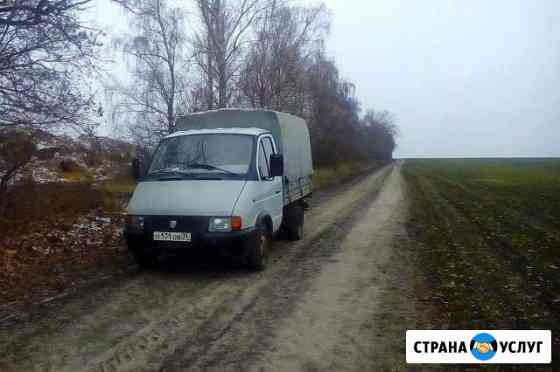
point(200, 241)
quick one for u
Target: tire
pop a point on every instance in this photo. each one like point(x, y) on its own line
point(145, 260)
point(257, 249)
point(294, 230)
point(296, 233)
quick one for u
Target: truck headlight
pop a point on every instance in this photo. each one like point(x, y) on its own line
point(135, 223)
point(220, 224)
point(225, 224)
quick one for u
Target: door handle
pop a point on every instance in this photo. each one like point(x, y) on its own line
point(278, 192)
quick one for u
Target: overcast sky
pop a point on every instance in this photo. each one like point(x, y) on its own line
point(463, 78)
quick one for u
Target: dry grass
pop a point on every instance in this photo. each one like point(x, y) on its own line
point(331, 176)
point(42, 246)
point(119, 186)
point(75, 175)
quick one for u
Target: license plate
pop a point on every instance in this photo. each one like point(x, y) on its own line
point(172, 236)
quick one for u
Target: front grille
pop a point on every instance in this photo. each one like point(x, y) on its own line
point(192, 224)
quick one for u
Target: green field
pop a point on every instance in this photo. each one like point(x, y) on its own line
point(488, 234)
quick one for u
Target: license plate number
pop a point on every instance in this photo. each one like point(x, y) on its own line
point(172, 236)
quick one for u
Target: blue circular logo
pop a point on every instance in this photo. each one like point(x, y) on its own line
point(483, 346)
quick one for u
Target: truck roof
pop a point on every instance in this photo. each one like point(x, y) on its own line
point(230, 109)
point(246, 131)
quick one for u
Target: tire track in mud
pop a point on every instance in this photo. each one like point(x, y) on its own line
point(336, 323)
point(282, 288)
point(228, 303)
point(137, 327)
point(254, 333)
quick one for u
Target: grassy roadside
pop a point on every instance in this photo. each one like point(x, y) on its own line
point(331, 176)
point(488, 239)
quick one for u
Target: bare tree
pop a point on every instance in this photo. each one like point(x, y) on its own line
point(275, 70)
point(156, 94)
point(45, 55)
point(17, 151)
point(218, 46)
point(265, 54)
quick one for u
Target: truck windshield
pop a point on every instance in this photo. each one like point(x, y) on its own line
point(222, 155)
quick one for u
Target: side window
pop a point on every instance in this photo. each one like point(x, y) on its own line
point(263, 162)
point(268, 148)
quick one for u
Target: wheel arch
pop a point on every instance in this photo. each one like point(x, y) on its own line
point(266, 220)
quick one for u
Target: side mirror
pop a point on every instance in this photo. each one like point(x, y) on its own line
point(136, 169)
point(276, 165)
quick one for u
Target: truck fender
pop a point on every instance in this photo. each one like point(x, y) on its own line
point(266, 220)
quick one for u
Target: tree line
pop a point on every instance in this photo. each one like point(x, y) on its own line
point(182, 57)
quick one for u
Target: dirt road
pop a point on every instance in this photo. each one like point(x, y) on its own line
point(323, 303)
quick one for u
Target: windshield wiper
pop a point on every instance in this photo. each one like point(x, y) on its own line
point(210, 167)
point(170, 172)
point(166, 170)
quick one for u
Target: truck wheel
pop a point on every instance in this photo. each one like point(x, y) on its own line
point(297, 232)
point(295, 227)
point(144, 260)
point(258, 247)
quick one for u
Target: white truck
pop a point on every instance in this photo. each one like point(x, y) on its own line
point(227, 178)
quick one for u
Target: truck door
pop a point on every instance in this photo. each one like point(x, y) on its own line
point(270, 195)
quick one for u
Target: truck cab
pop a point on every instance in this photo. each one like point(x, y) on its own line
point(206, 187)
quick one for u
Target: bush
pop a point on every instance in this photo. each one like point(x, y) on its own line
point(16, 151)
point(69, 165)
point(92, 158)
point(47, 154)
